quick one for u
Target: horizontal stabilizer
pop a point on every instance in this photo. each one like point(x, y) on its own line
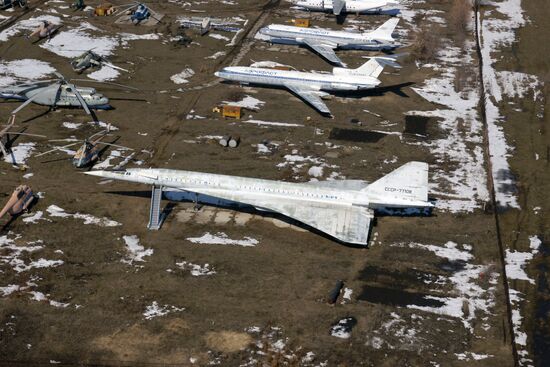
point(376, 64)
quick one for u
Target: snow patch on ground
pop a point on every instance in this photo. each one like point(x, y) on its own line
point(248, 102)
point(136, 252)
point(315, 171)
point(468, 356)
point(464, 188)
point(222, 239)
point(16, 257)
point(271, 123)
point(516, 262)
point(497, 30)
point(20, 153)
point(34, 218)
point(216, 55)
point(196, 270)
point(71, 125)
point(27, 25)
point(113, 155)
point(315, 165)
point(342, 329)
point(154, 310)
point(219, 36)
point(181, 78)
point(464, 282)
point(104, 74)
point(17, 71)
point(55, 211)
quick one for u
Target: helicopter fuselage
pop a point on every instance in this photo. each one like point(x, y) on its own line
point(19, 201)
point(87, 154)
point(55, 96)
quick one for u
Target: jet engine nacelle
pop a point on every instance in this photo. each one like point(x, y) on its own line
point(340, 71)
point(322, 94)
point(342, 86)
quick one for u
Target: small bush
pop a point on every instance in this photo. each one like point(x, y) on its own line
point(461, 17)
point(426, 43)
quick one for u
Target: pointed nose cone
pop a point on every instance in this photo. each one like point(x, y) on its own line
point(217, 73)
point(98, 173)
point(77, 162)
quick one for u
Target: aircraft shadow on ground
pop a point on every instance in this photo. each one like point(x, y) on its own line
point(374, 92)
point(183, 196)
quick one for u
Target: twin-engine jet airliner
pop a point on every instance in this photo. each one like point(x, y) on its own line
point(325, 41)
point(341, 209)
point(312, 86)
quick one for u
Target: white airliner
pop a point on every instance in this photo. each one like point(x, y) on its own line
point(325, 41)
point(341, 209)
point(312, 86)
point(338, 7)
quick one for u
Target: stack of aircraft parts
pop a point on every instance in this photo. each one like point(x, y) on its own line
point(104, 9)
point(229, 111)
point(19, 201)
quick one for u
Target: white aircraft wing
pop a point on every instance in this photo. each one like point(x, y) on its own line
point(324, 49)
point(346, 223)
point(310, 97)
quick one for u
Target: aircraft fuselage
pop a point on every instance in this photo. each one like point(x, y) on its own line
point(282, 78)
point(52, 95)
point(292, 35)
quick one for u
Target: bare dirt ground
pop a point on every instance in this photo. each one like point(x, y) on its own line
point(429, 290)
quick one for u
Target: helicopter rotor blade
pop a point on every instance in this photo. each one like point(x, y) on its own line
point(100, 134)
point(107, 63)
point(60, 76)
point(3, 149)
point(57, 149)
point(35, 82)
point(57, 160)
point(25, 134)
point(100, 82)
point(67, 139)
point(27, 102)
point(121, 10)
point(82, 101)
point(114, 145)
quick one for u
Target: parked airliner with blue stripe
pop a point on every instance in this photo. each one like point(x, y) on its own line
point(325, 41)
point(312, 86)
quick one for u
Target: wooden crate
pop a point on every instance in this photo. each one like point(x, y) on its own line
point(232, 111)
point(104, 9)
point(301, 23)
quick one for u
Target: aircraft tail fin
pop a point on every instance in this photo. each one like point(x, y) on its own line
point(337, 6)
point(407, 183)
point(376, 64)
point(384, 32)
